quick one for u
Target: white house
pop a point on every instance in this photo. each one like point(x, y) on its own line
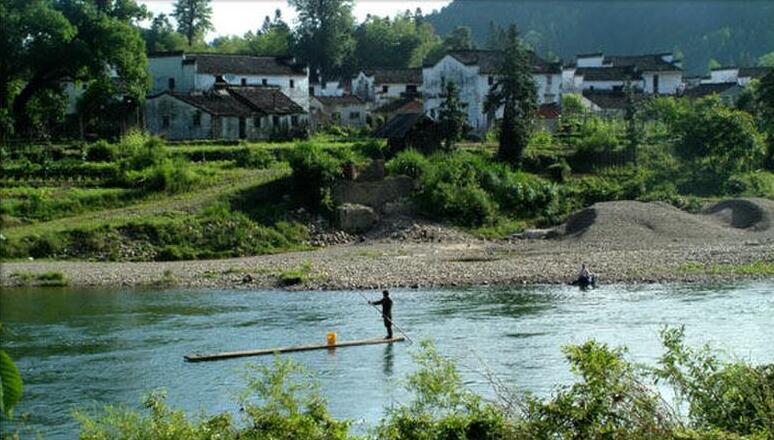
point(739, 75)
point(225, 112)
point(651, 73)
point(475, 72)
point(181, 72)
point(345, 111)
point(382, 85)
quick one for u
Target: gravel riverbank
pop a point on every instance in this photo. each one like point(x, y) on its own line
point(627, 242)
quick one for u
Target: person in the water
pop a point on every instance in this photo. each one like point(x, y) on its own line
point(386, 303)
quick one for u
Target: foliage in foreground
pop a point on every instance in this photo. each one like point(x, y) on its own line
point(612, 398)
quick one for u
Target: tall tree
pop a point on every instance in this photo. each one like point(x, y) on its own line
point(452, 118)
point(765, 97)
point(161, 36)
point(461, 38)
point(323, 38)
point(45, 42)
point(193, 18)
point(514, 90)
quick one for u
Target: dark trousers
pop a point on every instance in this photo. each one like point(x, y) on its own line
point(388, 326)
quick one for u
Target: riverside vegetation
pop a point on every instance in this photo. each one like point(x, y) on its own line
point(688, 394)
point(143, 200)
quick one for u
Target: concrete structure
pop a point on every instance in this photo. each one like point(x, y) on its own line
point(180, 72)
point(225, 113)
point(382, 85)
point(345, 111)
point(658, 74)
point(474, 72)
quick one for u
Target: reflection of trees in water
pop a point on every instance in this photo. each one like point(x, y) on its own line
point(512, 302)
point(389, 359)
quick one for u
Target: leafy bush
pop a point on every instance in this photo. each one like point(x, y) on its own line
point(314, 172)
point(259, 158)
point(758, 184)
point(408, 163)
point(100, 151)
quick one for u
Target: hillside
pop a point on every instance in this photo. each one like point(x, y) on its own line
point(729, 32)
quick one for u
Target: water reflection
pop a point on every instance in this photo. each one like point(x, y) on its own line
point(389, 360)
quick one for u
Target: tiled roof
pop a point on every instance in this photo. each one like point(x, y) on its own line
point(241, 101)
point(219, 64)
point(400, 125)
point(642, 63)
point(754, 72)
point(607, 73)
point(610, 99)
point(218, 103)
point(339, 100)
point(703, 90)
point(488, 61)
point(395, 75)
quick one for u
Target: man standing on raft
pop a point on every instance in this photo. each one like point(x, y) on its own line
point(386, 304)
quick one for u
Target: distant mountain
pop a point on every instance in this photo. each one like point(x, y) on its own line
point(729, 32)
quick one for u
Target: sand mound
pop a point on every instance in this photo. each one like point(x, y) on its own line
point(632, 224)
point(753, 214)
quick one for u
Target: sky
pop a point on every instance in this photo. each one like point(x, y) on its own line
point(235, 17)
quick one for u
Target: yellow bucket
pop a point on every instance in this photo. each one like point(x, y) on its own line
point(331, 338)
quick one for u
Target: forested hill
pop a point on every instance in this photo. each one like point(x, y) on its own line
point(727, 31)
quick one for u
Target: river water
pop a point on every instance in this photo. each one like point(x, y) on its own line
point(80, 348)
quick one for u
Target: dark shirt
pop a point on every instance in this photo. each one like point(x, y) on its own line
point(386, 304)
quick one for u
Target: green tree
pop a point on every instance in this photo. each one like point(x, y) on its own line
point(323, 38)
point(765, 98)
point(461, 38)
point(161, 36)
point(514, 90)
point(766, 60)
point(452, 117)
point(399, 42)
point(45, 43)
point(11, 386)
point(273, 39)
point(193, 18)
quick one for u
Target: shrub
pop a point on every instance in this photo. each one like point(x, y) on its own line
point(101, 151)
point(372, 149)
point(757, 184)
point(314, 172)
point(408, 163)
point(259, 158)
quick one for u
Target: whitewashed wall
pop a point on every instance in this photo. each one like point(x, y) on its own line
point(298, 93)
point(163, 68)
point(181, 119)
point(722, 76)
point(668, 82)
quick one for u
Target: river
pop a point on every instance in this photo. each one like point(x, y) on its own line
point(80, 348)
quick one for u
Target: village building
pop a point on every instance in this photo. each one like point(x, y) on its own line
point(475, 72)
point(656, 74)
point(382, 85)
point(738, 75)
point(225, 112)
point(726, 91)
point(331, 87)
point(344, 111)
point(611, 103)
point(181, 72)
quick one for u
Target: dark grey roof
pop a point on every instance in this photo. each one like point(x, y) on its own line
point(270, 101)
point(488, 61)
point(611, 99)
point(241, 101)
point(340, 100)
point(400, 125)
point(389, 75)
point(218, 103)
point(642, 63)
point(703, 90)
point(755, 72)
point(219, 64)
point(607, 73)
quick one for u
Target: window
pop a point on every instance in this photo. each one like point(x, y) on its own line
point(197, 119)
point(275, 121)
point(490, 80)
point(165, 121)
point(354, 115)
point(411, 88)
point(311, 90)
point(549, 80)
point(655, 84)
point(265, 82)
point(171, 83)
point(244, 81)
point(385, 89)
point(292, 84)
point(256, 122)
point(294, 120)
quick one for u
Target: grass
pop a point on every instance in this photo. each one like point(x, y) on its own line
point(754, 268)
point(43, 279)
point(502, 229)
point(297, 275)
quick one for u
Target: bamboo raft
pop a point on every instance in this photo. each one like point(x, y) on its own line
point(263, 352)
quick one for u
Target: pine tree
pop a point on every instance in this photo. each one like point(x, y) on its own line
point(514, 90)
point(452, 119)
point(193, 18)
